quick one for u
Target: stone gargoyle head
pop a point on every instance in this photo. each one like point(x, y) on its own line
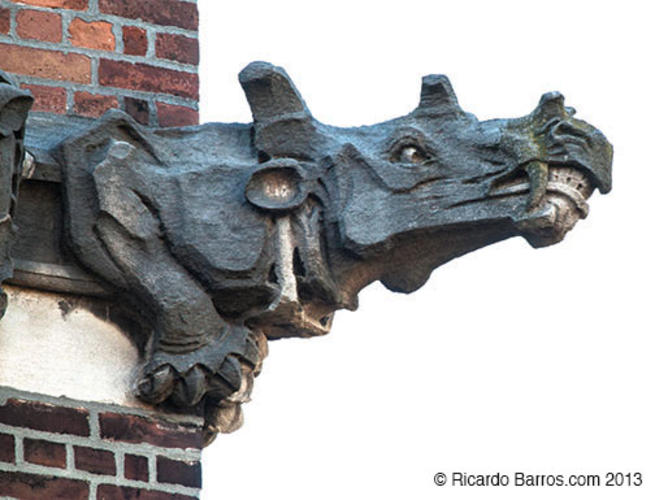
point(224, 235)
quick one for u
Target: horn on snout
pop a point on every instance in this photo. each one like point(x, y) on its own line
point(438, 93)
point(551, 105)
point(270, 92)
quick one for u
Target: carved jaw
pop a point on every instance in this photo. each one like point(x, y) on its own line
point(529, 176)
point(289, 315)
point(556, 200)
point(287, 192)
point(573, 159)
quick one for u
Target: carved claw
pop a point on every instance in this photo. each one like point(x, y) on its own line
point(214, 370)
point(156, 385)
point(538, 175)
point(190, 388)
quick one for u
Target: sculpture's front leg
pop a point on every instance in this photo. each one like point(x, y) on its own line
point(194, 353)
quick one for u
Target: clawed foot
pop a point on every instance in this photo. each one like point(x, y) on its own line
point(215, 370)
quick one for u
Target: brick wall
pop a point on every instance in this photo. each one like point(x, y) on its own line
point(54, 448)
point(83, 57)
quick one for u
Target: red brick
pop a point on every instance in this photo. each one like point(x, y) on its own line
point(138, 109)
point(147, 78)
point(5, 21)
point(38, 25)
point(38, 487)
point(57, 4)
point(38, 451)
point(95, 461)
point(136, 468)
point(94, 105)
point(178, 472)
point(92, 34)
point(135, 41)
point(171, 115)
point(45, 63)
point(111, 492)
point(178, 48)
point(7, 446)
point(135, 429)
point(48, 99)
point(45, 417)
point(162, 12)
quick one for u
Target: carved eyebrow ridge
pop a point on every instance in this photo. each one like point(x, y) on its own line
point(406, 136)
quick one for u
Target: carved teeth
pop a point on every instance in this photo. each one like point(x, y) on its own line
point(538, 174)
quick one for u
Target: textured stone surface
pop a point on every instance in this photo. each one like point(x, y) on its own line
point(55, 362)
point(222, 236)
point(284, 221)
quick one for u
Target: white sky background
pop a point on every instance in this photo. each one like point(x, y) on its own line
point(509, 359)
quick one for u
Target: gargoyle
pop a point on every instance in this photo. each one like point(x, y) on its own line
point(224, 235)
point(14, 106)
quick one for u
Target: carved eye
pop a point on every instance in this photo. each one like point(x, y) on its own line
point(411, 154)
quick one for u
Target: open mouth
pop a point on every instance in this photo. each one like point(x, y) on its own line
point(557, 199)
point(292, 319)
point(540, 180)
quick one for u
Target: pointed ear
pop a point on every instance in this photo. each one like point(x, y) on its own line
point(437, 92)
point(283, 125)
point(271, 94)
